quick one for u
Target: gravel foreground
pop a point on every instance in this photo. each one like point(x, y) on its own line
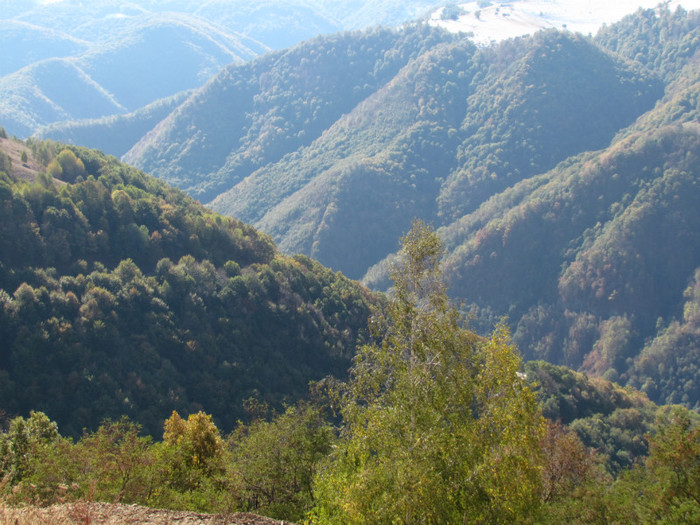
point(93, 513)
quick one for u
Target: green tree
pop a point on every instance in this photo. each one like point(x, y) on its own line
point(71, 166)
point(438, 427)
point(666, 488)
point(274, 462)
point(5, 163)
point(189, 465)
point(19, 443)
point(115, 462)
point(197, 437)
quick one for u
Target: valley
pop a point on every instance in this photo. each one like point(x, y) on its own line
point(385, 274)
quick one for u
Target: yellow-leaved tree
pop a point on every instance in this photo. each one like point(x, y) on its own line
point(438, 426)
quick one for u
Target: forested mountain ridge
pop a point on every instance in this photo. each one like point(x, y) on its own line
point(412, 129)
point(251, 116)
point(121, 295)
point(560, 168)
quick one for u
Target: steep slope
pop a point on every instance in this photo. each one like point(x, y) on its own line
point(594, 262)
point(162, 55)
point(153, 58)
point(598, 248)
point(453, 127)
point(115, 134)
point(276, 23)
point(121, 295)
point(51, 90)
point(351, 193)
point(252, 115)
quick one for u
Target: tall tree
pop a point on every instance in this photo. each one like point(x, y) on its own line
point(438, 427)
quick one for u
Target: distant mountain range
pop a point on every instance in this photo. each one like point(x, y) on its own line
point(158, 57)
point(123, 56)
point(560, 168)
point(66, 61)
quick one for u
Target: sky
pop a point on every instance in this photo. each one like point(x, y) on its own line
point(503, 20)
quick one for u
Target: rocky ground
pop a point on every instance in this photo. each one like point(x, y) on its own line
point(84, 513)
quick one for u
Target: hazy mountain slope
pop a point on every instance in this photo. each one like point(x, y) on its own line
point(51, 90)
point(447, 132)
point(279, 24)
point(139, 51)
point(24, 43)
point(115, 134)
point(157, 57)
point(251, 115)
point(166, 54)
point(276, 23)
point(121, 295)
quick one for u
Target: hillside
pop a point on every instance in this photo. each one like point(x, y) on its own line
point(435, 135)
point(276, 24)
point(157, 57)
point(114, 134)
point(118, 57)
point(121, 295)
point(25, 43)
point(253, 115)
point(560, 168)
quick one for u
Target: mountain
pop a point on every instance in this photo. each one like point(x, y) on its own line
point(25, 43)
point(115, 134)
point(158, 57)
point(276, 23)
point(252, 115)
point(121, 295)
point(119, 57)
point(559, 167)
point(442, 128)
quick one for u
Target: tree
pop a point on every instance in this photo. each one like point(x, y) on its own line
point(5, 163)
point(71, 166)
point(24, 435)
point(438, 427)
point(189, 465)
point(274, 462)
point(198, 438)
point(115, 462)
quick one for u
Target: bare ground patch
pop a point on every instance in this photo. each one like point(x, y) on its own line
point(83, 513)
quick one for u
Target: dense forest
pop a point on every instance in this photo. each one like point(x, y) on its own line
point(530, 352)
point(434, 425)
point(560, 171)
point(122, 296)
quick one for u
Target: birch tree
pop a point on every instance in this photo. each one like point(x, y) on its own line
point(437, 425)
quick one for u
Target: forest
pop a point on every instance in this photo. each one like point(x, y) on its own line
point(559, 169)
point(123, 296)
point(434, 424)
point(523, 345)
